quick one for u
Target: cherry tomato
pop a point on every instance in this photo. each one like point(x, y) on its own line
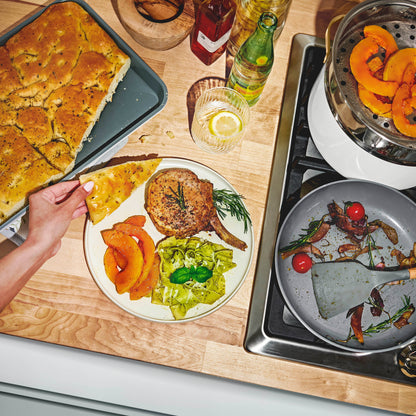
point(355, 211)
point(301, 262)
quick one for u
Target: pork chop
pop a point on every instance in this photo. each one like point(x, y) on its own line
point(181, 205)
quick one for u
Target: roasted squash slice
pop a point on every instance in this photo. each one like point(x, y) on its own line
point(397, 64)
point(138, 220)
point(409, 74)
point(383, 38)
point(377, 104)
point(375, 64)
point(146, 243)
point(400, 110)
point(129, 249)
point(148, 284)
point(110, 264)
point(360, 55)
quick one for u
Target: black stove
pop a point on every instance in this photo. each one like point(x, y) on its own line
point(297, 169)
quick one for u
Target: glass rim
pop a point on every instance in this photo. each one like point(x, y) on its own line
point(232, 90)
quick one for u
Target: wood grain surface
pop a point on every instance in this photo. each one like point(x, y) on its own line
point(61, 304)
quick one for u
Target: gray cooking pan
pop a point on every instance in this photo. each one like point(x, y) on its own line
point(380, 202)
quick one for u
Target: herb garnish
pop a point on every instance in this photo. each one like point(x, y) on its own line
point(228, 201)
point(200, 274)
point(177, 197)
point(303, 238)
point(383, 326)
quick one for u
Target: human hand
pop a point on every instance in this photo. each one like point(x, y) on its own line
point(51, 211)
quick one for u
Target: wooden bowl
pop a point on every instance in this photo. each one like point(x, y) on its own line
point(156, 35)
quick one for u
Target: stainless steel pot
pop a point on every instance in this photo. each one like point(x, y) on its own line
point(373, 133)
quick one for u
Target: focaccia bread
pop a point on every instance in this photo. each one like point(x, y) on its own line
point(114, 184)
point(56, 76)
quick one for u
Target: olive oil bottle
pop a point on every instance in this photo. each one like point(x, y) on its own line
point(254, 60)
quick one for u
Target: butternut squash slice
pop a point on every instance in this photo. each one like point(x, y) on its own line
point(147, 245)
point(409, 74)
point(375, 64)
point(377, 104)
point(110, 264)
point(148, 284)
point(360, 55)
point(383, 38)
point(138, 220)
point(397, 64)
point(127, 246)
point(400, 111)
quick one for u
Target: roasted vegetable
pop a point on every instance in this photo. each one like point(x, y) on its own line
point(145, 243)
point(400, 111)
point(359, 57)
point(383, 38)
point(397, 64)
point(126, 245)
point(145, 288)
point(376, 103)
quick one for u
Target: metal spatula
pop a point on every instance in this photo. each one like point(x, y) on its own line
point(339, 286)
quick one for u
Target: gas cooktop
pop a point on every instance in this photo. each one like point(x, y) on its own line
point(297, 169)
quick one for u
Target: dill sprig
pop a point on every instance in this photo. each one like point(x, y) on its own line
point(303, 238)
point(178, 197)
point(231, 202)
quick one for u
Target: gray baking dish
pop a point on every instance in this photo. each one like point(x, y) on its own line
point(140, 96)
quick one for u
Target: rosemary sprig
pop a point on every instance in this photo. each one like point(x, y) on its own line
point(371, 244)
point(303, 238)
point(383, 326)
point(228, 201)
point(177, 197)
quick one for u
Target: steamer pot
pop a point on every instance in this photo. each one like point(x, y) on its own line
point(376, 135)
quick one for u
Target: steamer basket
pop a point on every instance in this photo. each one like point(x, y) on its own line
point(373, 133)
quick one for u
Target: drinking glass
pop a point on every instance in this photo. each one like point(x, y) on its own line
point(209, 105)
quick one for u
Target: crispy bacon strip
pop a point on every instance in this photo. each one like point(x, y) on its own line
point(306, 248)
point(341, 220)
point(356, 315)
point(320, 233)
point(390, 232)
point(404, 319)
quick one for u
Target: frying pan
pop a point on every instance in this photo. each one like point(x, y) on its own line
point(380, 202)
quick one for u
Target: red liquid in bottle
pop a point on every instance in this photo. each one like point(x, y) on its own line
point(212, 29)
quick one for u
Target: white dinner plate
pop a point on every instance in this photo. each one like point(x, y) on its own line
point(143, 308)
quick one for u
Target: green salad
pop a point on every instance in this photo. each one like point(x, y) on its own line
point(203, 264)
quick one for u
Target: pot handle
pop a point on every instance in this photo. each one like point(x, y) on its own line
point(328, 33)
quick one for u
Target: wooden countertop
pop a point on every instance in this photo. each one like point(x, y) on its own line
point(61, 304)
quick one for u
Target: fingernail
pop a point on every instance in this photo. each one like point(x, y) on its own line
point(88, 186)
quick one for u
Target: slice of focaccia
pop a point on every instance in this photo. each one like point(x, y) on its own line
point(114, 184)
point(22, 170)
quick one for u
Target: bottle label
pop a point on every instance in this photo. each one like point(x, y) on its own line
point(249, 92)
point(212, 46)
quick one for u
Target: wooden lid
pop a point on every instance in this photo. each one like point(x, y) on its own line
point(152, 35)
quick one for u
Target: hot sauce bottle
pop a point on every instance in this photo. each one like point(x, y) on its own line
point(213, 22)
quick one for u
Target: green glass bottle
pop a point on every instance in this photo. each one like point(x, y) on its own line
point(254, 60)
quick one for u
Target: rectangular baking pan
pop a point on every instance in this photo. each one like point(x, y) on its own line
point(140, 96)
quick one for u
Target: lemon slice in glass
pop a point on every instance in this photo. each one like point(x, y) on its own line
point(225, 124)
